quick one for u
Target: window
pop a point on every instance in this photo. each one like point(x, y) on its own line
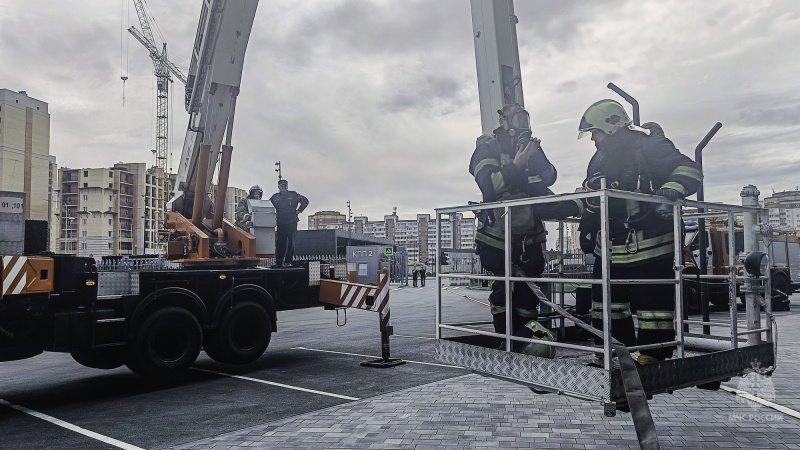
point(111, 185)
point(109, 234)
point(109, 221)
point(85, 197)
point(86, 185)
point(110, 174)
point(125, 245)
point(83, 233)
point(109, 245)
point(85, 173)
point(83, 245)
point(84, 209)
point(111, 198)
point(83, 222)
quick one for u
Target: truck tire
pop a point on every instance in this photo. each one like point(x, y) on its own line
point(780, 300)
point(99, 358)
point(243, 334)
point(691, 292)
point(166, 344)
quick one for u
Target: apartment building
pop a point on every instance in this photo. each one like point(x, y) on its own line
point(417, 235)
point(784, 209)
point(326, 220)
point(25, 161)
point(112, 211)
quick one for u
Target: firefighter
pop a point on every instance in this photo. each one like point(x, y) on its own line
point(242, 212)
point(635, 159)
point(512, 164)
point(288, 206)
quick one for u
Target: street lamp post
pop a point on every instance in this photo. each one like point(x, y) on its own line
point(350, 224)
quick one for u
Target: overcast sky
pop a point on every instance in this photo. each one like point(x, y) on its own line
point(376, 102)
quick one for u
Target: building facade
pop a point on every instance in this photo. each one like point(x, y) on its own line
point(25, 161)
point(326, 220)
point(417, 235)
point(112, 211)
point(784, 209)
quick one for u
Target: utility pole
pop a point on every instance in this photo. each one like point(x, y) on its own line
point(278, 170)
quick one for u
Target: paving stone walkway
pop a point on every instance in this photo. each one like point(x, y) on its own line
point(472, 411)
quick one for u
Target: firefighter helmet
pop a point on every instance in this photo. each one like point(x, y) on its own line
point(256, 188)
point(607, 116)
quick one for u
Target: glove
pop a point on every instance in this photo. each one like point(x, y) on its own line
point(671, 194)
point(664, 211)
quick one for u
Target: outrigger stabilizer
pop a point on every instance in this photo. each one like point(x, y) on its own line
point(344, 294)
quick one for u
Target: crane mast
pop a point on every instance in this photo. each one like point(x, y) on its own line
point(163, 70)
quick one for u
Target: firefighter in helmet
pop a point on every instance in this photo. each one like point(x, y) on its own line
point(635, 159)
point(511, 164)
point(242, 212)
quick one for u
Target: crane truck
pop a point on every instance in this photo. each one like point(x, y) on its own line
point(781, 247)
point(211, 294)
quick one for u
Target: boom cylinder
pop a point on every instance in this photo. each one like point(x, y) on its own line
point(200, 186)
point(222, 186)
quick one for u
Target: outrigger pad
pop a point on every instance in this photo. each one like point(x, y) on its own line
point(383, 363)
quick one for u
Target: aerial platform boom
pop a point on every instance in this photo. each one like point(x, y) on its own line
point(212, 86)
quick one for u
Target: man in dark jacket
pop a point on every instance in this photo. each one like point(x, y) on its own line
point(288, 206)
point(635, 159)
point(512, 164)
point(422, 274)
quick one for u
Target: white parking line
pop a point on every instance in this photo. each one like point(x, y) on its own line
point(767, 403)
point(70, 426)
point(373, 357)
point(414, 337)
point(272, 383)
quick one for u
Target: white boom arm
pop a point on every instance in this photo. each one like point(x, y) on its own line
point(494, 27)
point(212, 85)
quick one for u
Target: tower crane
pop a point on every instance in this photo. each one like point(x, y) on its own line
point(163, 70)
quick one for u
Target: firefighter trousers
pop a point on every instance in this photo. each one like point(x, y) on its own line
point(524, 302)
point(654, 305)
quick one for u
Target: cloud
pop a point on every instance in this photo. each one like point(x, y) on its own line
point(376, 102)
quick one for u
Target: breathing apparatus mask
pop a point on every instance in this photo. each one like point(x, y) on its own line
point(519, 127)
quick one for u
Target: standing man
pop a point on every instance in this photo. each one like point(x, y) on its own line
point(512, 164)
point(422, 274)
point(243, 212)
point(414, 275)
point(288, 206)
point(631, 158)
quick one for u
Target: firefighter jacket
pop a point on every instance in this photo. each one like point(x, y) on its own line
point(286, 206)
point(635, 162)
point(242, 214)
point(498, 178)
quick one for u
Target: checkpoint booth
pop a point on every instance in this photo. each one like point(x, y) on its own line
point(367, 260)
